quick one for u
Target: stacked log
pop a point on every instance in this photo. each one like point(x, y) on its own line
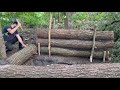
point(75, 34)
point(75, 43)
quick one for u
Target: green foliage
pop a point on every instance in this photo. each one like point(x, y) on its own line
point(115, 52)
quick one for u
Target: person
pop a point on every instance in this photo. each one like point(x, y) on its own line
point(11, 35)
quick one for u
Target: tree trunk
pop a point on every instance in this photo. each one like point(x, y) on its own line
point(21, 56)
point(58, 17)
point(2, 45)
point(66, 20)
point(43, 60)
point(68, 52)
point(106, 70)
point(76, 44)
point(75, 34)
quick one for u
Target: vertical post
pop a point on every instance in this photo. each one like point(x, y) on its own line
point(92, 51)
point(49, 35)
point(2, 45)
point(107, 56)
point(39, 49)
point(104, 56)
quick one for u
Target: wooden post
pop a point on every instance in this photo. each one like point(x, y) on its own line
point(49, 36)
point(2, 45)
point(91, 56)
point(39, 49)
point(107, 56)
point(104, 56)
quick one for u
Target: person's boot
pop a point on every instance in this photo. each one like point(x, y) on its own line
point(20, 46)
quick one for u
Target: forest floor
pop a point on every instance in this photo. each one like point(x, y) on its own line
point(30, 38)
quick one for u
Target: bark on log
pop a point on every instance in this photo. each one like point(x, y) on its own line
point(106, 70)
point(75, 34)
point(2, 46)
point(76, 44)
point(21, 56)
point(46, 60)
point(67, 52)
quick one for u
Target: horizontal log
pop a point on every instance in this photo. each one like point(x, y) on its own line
point(75, 34)
point(43, 60)
point(21, 56)
point(68, 52)
point(76, 44)
point(106, 70)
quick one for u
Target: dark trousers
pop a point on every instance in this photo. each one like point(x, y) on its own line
point(9, 44)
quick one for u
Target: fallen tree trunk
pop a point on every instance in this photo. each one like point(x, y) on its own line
point(106, 70)
point(76, 44)
point(21, 56)
point(67, 52)
point(75, 34)
point(43, 60)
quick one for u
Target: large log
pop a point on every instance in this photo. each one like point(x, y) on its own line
point(68, 52)
point(75, 34)
point(106, 70)
point(2, 45)
point(21, 56)
point(43, 60)
point(76, 44)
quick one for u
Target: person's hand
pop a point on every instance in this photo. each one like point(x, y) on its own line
point(19, 24)
point(25, 45)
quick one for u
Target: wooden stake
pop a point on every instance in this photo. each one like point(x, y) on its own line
point(39, 49)
point(104, 56)
point(3, 54)
point(91, 56)
point(107, 56)
point(49, 35)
